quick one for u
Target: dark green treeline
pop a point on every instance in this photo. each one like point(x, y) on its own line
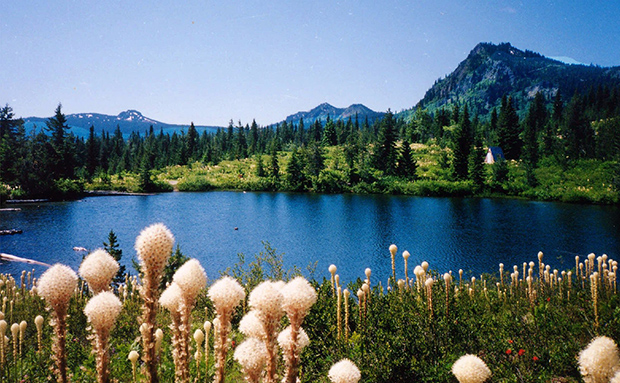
point(52, 162)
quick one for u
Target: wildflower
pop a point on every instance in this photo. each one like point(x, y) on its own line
point(599, 361)
point(508, 352)
point(521, 352)
point(226, 294)
point(98, 269)
point(251, 326)
point(345, 371)
point(470, 369)
point(191, 278)
point(154, 247)
point(252, 356)
point(535, 358)
point(267, 300)
point(101, 312)
point(56, 286)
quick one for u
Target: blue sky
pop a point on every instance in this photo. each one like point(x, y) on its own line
point(213, 61)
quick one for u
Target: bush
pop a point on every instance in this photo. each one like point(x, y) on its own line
point(193, 183)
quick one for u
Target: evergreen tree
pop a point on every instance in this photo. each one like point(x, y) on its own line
point(461, 146)
point(476, 162)
point(253, 139)
point(62, 159)
point(145, 183)
point(508, 130)
point(295, 177)
point(315, 160)
point(92, 156)
point(407, 165)
point(385, 154)
point(577, 131)
point(113, 248)
point(260, 167)
point(330, 137)
point(11, 148)
point(274, 168)
point(191, 143)
point(535, 122)
point(241, 146)
point(301, 134)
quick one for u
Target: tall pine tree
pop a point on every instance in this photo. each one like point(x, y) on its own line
point(508, 130)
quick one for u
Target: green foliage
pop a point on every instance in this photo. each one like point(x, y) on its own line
point(113, 248)
point(266, 265)
point(195, 183)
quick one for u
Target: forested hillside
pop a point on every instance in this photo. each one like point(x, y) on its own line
point(491, 71)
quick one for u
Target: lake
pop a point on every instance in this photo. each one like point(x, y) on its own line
point(351, 231)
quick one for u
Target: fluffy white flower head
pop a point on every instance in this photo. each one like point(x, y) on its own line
point(102, 310)
point(251, 326)
point(286, 342)
point(298, 296)
point(251, 355)
point(171, 298)
point(154, 246)
point(470, 369)
point(57, 285)
point(98, 269)
point(226, 294)
point(267, 299)
point(344, 371)
point(191, 278)
point(599, 361)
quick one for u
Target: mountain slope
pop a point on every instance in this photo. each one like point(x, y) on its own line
point(128, 121)
point(490, 71)
point(324, 110)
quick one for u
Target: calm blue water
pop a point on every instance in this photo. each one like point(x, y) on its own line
point(351, 231)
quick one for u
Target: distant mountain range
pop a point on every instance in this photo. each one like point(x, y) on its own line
point(325, 110)
point(133, 121)
point(128, 121)
point(490, 71)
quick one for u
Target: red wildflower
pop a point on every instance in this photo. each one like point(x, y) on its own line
point(534, 358)
point(510, 341)
point(521, 352)
point(508, 352)
point(548, 299)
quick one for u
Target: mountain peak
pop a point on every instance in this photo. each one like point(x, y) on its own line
point(130, 115)
point(324, 110)
point(491, 71)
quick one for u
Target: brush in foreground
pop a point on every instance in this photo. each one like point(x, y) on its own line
point(470, 369)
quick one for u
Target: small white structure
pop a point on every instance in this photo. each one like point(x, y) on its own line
point(494, 154)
